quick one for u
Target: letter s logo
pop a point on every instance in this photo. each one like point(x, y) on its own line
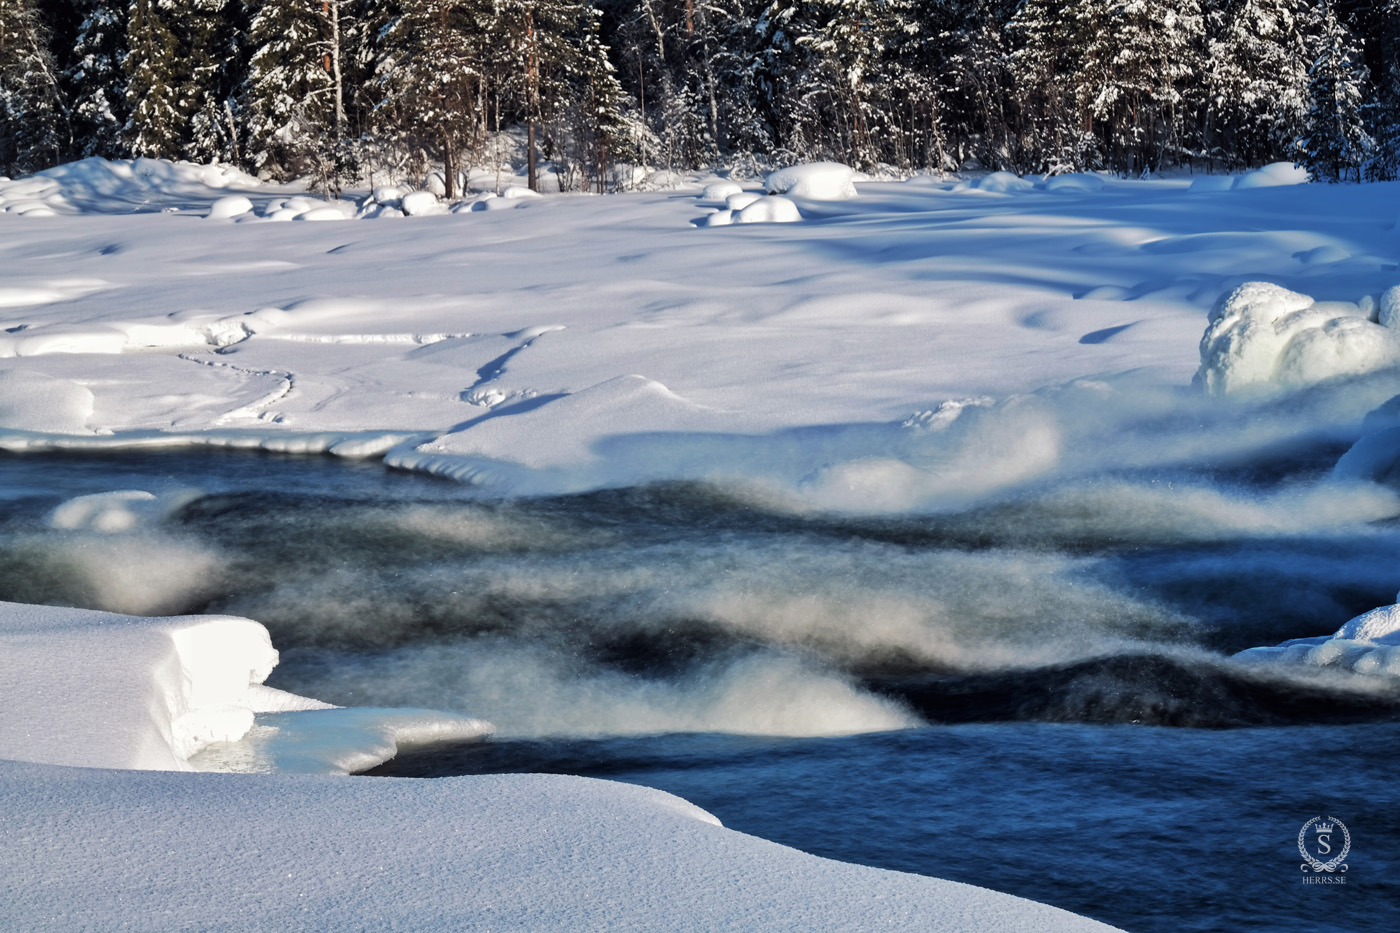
point(1322, 843)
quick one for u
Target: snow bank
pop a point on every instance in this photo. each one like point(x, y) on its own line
point(99, 689)
point(1003, 183)
point(718, 191)
point(1076, 183)
point(151, 851)
point(103, 186)
point(818, 181)
point(1367, 644)
point(105, 690)
point(1262, 336)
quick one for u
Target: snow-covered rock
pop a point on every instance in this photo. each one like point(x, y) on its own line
point(719, 191)
point(420, 203)
point(1262, 336)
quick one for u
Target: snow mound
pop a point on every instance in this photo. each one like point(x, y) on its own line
point(100, 186)
point(721, 218)
point(718, 191)
point(1274, 175)
point(31, 401)
point(1003, 183)
point(1262, 336)
point(740, 200)
point(774, 209)
point(419, 203)
point(1076, 183)
point(1367, 644)
point(517, 192)
point(817, 181)
point(229, 206)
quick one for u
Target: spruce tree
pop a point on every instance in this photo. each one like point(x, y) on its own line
point(156, 120)
point(1257, 76)
point(1336, 145)
point(96, 80)
point(34, 125)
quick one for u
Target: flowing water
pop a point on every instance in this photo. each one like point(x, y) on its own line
point(1032, 692)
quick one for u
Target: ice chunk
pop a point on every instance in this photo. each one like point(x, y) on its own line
point(817, 181)
point(105, 690)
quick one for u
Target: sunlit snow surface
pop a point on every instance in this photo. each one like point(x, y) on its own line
point(1013, 358)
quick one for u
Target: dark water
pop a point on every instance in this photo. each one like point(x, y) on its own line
point(1054, 663)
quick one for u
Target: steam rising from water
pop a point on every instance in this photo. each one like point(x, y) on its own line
point(1035, 542)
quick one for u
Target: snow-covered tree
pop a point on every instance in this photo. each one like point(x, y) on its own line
point(1257, 79)
point(34, 128)
point(156, 120)
point(96, 80)
point(1336, 145)
point(1383, 115)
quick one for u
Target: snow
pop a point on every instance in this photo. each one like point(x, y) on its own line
point(817, 181)
point(1273, 175)
point(535, 852)
point(774, 209)
point(149, 849)
point(1366, 644)
point(1263, 337)
point(917, 347)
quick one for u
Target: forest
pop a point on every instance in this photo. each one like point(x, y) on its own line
point(333, 89)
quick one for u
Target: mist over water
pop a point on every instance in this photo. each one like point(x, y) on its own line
point(1108, 586)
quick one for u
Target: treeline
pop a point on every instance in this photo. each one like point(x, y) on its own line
point(331, 88)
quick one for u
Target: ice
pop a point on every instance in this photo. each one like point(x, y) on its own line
point(1368, 644)
point(816, 181)
point(111, 512)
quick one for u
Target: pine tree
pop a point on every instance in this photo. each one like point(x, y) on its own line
point(96, 80)
point(209, 53)
point(1336, 144)
point(156, 120)
point(34, 123)
point(1051, 40)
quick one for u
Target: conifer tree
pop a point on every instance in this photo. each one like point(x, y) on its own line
point(34, 125)
point(96, 80)
point(1336, 145)
point(155, 118)
point(1257, 75)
